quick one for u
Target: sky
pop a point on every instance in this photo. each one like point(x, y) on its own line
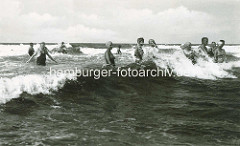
point(119, 21)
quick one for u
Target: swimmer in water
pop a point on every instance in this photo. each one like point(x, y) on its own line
point(220, 54)
point(152, 50)
point(119, 49)
point(109, 58)
point(188, 52)
point(62, 48)
point(202, 49)
point(138, 50)
point(31, 50)
point(41, 53)
point(152, 43)
point(212, 49)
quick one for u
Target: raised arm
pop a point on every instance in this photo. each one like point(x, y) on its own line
point(47, 52)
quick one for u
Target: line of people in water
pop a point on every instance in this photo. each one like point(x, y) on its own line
point(215, 51)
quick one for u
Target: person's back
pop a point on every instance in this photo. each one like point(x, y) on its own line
point(31, 50)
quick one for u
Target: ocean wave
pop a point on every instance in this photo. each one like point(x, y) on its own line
point(11, 88)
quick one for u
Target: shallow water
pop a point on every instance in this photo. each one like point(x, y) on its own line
point(200, 109)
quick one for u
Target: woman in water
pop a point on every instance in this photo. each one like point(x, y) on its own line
point(150, 52)
point(188, 52)
point(41, 53)
point(109, 58)
point(138, 50)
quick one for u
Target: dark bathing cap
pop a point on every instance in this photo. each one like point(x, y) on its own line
point(139, 40)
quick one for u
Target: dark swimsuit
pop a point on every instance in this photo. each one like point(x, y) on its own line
point(210, 53)
point(41, 60)
point(31, 51)
point(111, 58)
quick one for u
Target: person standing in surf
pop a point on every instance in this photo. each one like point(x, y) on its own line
point(138, 50)
point(31, 50)
point(62, 48)
point(152, 50)
point(109, 58)
point(119, 50)
point(202, 49)
point(220, 54)
point(152, 43)
point(42, 52)
point(188, 52)
point(212, 49)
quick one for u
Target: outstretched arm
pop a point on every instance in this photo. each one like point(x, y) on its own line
point(35, 53)
point(47, 52)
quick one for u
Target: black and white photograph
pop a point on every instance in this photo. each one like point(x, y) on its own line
point(119, 72)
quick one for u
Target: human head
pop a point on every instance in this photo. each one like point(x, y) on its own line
point(205, 41)
point(42, 44)
point(31, 44)
point(140, 41)
point(186, 46)
point(109, 44)
point(214, 44)
point(152, 43)
point(62, 43)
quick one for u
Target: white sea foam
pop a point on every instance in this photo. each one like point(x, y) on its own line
point(32, 84)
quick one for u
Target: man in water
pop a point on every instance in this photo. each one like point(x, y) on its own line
point(138, 50)
point(220, 54)
point(31, 50)
point(202, 49)
point(119, 49)
point(109, 58)
point(41, 53)
point(188, 52)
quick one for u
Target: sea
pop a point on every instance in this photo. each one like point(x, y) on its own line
point(43, 105)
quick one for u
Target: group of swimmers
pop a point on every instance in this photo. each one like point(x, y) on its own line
point(215, 51)
point(138, 53)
